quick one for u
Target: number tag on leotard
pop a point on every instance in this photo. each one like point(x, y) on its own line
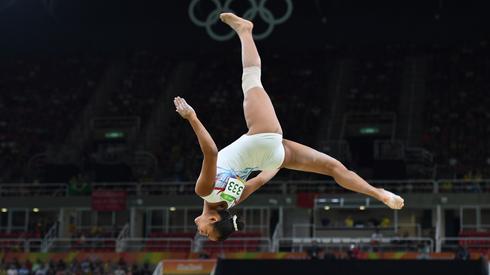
point(233, 190)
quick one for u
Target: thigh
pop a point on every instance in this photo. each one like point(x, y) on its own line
point(303, 158)
point(259, 113)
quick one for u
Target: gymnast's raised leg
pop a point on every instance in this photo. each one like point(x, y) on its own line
point(257, 106)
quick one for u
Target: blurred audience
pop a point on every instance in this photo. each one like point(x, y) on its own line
point(42, 98)
point(140, 87)
point(377, 80)
point(86, 266)
point(457, 116)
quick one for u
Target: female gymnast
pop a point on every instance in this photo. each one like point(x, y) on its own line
point(222, 181)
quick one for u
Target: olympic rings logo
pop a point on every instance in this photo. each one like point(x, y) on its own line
point(255, 9)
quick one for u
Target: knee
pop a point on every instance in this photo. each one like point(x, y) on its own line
point(251, 78)
point(337, 169)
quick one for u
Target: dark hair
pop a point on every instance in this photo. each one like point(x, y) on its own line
point(226, 226)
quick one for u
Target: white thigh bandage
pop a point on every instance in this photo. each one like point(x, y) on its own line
point(251, 78)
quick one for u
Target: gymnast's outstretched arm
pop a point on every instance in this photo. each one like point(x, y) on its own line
point(205, 182)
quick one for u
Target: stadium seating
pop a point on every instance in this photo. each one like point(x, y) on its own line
point(41, 99)
point(456, 114)
point(238, 242)
point(377, 81)
point(179, 242)
point(479, 244)
point(141, 85)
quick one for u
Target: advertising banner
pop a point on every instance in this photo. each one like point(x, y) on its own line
point(188, 267)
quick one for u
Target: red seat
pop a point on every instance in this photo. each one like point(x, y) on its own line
point(237, 242)
point(478, 246)
point(170, 245)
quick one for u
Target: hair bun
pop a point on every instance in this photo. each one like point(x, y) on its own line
point(240, 225)
point(237, 225)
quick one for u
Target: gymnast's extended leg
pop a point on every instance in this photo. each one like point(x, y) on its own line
point(304, 158)
point(257, 106)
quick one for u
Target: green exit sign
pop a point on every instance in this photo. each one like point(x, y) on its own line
point(114, 134)
point(369, 130)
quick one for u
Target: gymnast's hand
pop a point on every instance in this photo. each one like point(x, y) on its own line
point(185, 110)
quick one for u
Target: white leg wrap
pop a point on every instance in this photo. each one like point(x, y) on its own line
point(251, 78)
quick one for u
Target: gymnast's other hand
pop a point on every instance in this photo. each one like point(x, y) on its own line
point(183, 108)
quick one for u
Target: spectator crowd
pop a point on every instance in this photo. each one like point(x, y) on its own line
point(41, 99)
point(75, 267)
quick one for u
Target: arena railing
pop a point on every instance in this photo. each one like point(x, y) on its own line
point(364, 244)
point(471, 243)
point(135, 244)
point(426, 245)
point(318, 231)
point(33, 189)
point(83, 244)
point(277, 235)
point(20, 245)
point(96, 244)
point(51, 235)
point(156, 244)
point(251, 244)
point(123, 234)
point(274, 187)
point(263, 229)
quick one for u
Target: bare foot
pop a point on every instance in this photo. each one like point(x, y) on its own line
point(237, 23)
point(391, 200)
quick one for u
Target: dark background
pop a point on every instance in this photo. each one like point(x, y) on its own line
point(318, 37)
point(111, 25)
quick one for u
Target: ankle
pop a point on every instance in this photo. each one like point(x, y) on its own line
point(245, 34)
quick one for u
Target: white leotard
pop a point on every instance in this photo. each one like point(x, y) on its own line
point(236, 161)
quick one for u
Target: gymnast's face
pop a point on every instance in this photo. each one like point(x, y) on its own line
point(205, 224)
